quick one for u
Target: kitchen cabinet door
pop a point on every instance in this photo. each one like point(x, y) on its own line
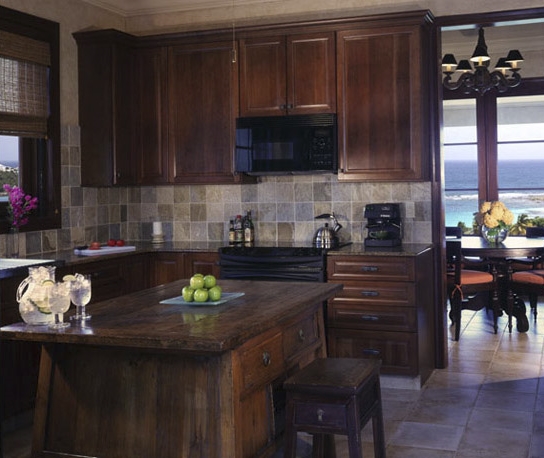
point(292, 74)
point(382, 104)
point(105, 108)
point(203, 104)
point(202, 263)
point(150, 115)
point(166, 267)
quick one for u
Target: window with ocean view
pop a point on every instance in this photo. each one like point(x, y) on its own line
point(9, 163)
point(520, 151)
point(512, 165)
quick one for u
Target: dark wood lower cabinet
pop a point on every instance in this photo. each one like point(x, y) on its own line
point(385, 311)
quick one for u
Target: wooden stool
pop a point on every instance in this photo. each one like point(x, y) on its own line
point(335, 396)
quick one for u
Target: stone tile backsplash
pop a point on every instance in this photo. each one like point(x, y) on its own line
point(283, 208)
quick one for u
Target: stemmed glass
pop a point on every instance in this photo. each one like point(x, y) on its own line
point(80, 293)
point(59, 303)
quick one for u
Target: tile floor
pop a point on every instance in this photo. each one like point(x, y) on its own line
point(488, 403)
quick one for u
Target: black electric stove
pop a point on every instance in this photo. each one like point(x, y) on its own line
point(277, 263)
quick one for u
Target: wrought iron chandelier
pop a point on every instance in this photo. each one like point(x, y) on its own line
point(481, 79)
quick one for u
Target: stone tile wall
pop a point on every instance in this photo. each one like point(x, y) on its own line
point(283, 208)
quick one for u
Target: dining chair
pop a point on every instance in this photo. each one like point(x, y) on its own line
point(465, 285)
point(529, 283)
point(454, 231)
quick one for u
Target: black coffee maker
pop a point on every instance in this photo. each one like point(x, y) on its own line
point(384, 225)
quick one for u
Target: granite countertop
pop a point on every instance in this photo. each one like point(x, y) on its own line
point(139, 320)
point(69, 257)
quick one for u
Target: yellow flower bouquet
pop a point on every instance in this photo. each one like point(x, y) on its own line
point(495, 220)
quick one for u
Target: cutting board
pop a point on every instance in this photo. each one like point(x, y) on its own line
point(105, 250)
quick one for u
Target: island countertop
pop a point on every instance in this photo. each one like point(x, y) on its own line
point(140, 320)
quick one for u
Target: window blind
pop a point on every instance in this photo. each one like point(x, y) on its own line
point(24, 85)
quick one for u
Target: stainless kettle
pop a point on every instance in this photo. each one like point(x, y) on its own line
point(326, 237)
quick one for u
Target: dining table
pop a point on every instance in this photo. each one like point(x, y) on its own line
point(500, 258)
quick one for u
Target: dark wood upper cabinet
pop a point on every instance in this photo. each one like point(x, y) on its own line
point(105, 108)
point(162, 109)
point(151, 115)
point(383, 104)
point(203, 104)
point(287, 74)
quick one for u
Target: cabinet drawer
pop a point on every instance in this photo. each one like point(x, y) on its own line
point(386, 318)
point(300, 336)
point(320, 415)
point(370, 267)
point(397, 350)
point(378, 293)
point(261, 362)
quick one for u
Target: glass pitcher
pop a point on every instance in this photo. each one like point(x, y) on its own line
point(33, 295)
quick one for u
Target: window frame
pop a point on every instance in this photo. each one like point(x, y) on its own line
point(39, 174)
point(487, 137)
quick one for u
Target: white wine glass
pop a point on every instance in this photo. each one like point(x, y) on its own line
point(80, 293)
point(59, 303)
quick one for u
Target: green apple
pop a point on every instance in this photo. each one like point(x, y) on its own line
point(188, 293)
point(201, 295)
point(214, 293)
point(197, 281)
point(209, 281)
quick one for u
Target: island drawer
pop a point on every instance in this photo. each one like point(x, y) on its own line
point(371, 317)
point(397, 350)
point(392, 268)
point(261, 360)
point(300, 336)
point(378, 293)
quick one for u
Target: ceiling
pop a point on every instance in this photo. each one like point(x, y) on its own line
point(141, 7)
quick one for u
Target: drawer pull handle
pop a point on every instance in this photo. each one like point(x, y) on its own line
point(370, 293)
point(266, 359)
point(301, 335)
point(369, 318)
point(371, 351)
point(369, 269)
point(320, 413)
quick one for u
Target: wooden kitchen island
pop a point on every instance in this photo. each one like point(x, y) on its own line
point(144, 379)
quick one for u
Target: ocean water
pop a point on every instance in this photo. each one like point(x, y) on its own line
point(524, 181)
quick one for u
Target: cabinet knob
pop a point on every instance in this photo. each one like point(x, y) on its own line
point(301, 335)
point(369, 318)
point(266, 359)
point(370, 293)
point(369, 269)
point(290, 106)
point(371, 351)
point(282, 107)
point(320, 413)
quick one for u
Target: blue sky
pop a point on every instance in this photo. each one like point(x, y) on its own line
point(8, 148)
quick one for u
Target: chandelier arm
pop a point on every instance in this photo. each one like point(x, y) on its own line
point(466, 79)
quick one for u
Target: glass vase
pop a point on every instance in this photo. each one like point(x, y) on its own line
point(12, 243)
point(494, 235)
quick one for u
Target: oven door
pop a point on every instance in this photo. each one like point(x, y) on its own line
point(272, 268)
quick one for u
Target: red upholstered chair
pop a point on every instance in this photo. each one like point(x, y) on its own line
point(529, 283)
point(464, 286)
point(528, 276)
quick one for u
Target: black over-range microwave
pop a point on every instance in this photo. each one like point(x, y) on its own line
point(286, 144)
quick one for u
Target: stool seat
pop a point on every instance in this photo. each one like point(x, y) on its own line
point(335, 396)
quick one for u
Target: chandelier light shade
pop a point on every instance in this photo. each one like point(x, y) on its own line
point(480, 79)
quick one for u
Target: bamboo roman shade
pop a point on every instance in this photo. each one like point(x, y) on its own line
point(24, 85)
